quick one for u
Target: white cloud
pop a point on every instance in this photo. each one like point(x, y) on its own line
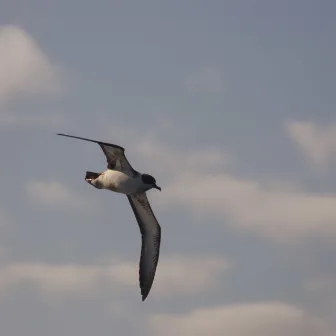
point(50, 278)
point(317, 142)
point(207, 80)
point(201, 180)
point(188, 275)
point(173, 160)
point(24, 68)
point(56, 279)
point(256, 319)
point(271, 211)
point(175, 276)
point(56, 194)
point(198, 179)
point(26, 71)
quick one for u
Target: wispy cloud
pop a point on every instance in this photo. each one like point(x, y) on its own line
point(56, 194)
point(65, 279)
point(176, 276)
point(182, 275)
point(253, 319)
point(27, 72)
point(317, 142)
point(255, 206)
point(202, 181)
point(24, 68)
point(172, 160)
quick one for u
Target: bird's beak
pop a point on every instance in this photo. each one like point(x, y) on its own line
point(89, 180)
point(156, 187)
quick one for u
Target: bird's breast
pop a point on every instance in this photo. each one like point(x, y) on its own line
point(119, 182)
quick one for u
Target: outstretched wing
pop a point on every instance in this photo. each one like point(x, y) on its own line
point(151, 239)
point(115, 156)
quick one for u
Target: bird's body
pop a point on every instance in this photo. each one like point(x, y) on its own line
point(120, 177)
point(119, 182)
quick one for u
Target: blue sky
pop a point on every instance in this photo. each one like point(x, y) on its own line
point(230, 105)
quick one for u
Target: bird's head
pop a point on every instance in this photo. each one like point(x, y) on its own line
point(150, 181)
point(91, 178)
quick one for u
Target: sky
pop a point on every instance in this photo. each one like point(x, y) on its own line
point(230, 106)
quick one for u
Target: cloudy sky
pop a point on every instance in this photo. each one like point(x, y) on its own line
point(230, 105)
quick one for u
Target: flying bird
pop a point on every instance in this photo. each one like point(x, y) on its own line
point(120, 177)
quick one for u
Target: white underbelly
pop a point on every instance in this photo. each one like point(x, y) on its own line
point(120, 182)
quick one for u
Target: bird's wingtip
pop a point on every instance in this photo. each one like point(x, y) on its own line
point(144, 296)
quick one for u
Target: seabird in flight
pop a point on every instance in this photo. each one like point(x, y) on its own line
point(122, 178)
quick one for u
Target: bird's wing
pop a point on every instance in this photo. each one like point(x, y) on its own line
point(115, 156)
point(151, 239)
